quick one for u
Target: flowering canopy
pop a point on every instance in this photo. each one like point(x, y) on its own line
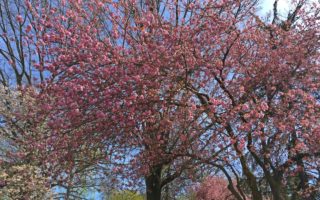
point(184, 83)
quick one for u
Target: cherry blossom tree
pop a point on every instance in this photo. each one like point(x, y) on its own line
point(213, 188)
point(162, 88)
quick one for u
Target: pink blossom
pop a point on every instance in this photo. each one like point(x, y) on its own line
point(19, 18)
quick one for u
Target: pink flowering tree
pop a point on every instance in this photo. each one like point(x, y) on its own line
point(164, 87)
point(213, 187)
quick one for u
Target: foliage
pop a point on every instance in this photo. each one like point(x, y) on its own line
point(125, 195)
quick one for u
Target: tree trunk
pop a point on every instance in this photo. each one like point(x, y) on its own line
point(153, 184)
point(278, 192)
point(277, 188)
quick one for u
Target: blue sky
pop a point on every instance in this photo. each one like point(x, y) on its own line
point(267, 5)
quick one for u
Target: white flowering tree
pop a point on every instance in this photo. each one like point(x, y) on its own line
point(20, 178)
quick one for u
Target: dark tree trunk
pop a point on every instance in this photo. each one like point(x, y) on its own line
point(278, 192)
point(277, 188)
point(153, 184)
